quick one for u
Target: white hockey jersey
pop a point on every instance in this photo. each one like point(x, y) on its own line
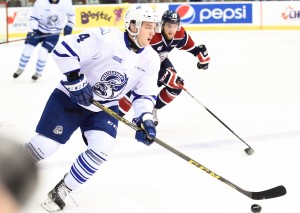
point(112, 69)
point(52, 18)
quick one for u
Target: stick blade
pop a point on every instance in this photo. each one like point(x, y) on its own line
point(270, 193)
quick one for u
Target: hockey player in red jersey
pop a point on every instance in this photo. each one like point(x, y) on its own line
point(172, 35)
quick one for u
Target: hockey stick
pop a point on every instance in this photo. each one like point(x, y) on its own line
point(249, 150)
point(267, 194)
point(36, 37)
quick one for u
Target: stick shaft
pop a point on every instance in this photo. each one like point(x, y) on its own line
point(271, 193)
point(37, 37)
point(216, 117)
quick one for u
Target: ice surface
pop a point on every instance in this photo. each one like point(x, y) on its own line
point(252, 85)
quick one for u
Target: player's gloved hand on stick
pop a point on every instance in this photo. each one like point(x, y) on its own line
point(171, 79)
point(67, 30)
point(148, 132)
point(80, 90)
point(203, 57)
point(35, 33)
point(32, 36)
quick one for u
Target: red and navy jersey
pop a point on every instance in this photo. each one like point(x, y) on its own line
point(181, 40)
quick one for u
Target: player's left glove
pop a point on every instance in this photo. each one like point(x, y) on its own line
point(171, 79)
point(148, 132)
point(67, 30)
point(80, 90)
point(203, 57)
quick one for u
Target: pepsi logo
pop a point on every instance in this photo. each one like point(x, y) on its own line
point(186, 13)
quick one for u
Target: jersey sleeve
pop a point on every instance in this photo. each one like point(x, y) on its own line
point(71, 16)
point(75, 50)
point(35, 15)
point(186, 42)
point(144, 95)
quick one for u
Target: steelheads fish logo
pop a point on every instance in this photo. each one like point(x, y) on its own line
point(111, 84)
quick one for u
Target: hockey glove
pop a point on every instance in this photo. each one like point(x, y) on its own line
point(31, 36)
point(148, 132)
point(67, 30)
point(171, 79)
point(203, 57)
point(80, 90)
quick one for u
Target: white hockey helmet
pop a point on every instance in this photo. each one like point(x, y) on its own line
point(140, 13)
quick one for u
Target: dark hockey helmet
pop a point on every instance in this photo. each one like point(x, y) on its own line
point(53, 1)
point(171, 17)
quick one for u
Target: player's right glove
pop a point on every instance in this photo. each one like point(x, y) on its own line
point(171, 79)
point(203, 57)
point(80, 90)
point(31, 36)
point(147, 133)
point(67, 30)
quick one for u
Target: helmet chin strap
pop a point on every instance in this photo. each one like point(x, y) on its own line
point(132, 41)
point(136, 41)
point(134, 37)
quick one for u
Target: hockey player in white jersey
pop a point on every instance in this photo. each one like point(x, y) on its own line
point(103, 64)
point(48, 19)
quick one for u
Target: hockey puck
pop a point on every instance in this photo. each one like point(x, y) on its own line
point(255, 208)
point(249, 151)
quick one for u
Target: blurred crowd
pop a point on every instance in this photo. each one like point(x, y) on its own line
point(28, 3)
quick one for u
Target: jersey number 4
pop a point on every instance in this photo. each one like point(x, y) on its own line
point(82, 37)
